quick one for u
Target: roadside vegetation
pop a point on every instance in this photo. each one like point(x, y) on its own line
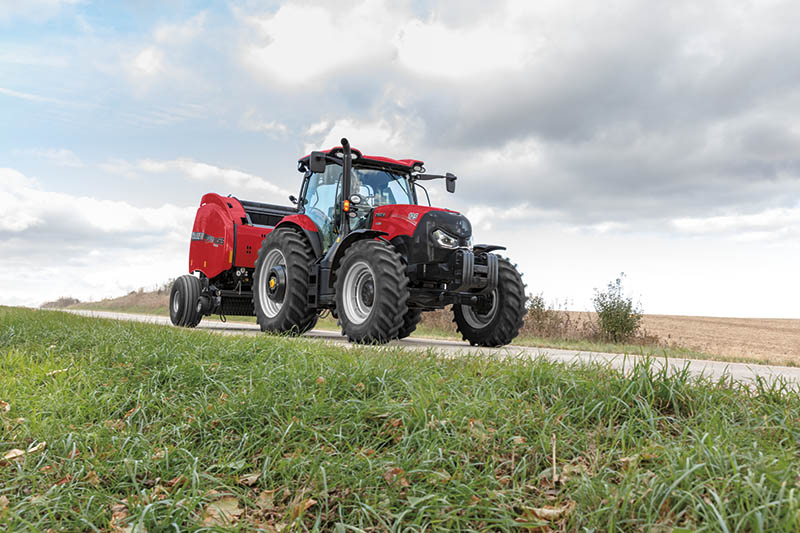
point(125, 426)
point(547, 324)
point(618, 319)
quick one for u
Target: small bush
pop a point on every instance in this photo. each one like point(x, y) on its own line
point(538, 312)
point(543, 320)
point(617, 316)
point(61, 303)
point(555, 321)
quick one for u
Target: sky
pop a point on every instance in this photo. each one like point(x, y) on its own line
point(660, 139)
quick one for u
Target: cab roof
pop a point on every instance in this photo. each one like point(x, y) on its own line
point(405, 164)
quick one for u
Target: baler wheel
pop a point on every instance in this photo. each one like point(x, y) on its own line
point(410, 321)
point(183, 298)
point(498, 321)
point(371, 292)
point(281, 283)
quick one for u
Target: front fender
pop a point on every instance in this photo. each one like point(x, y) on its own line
point(340, 246)
point(486, 248)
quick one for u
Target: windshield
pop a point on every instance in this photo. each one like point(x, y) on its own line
point(376, 187)
point(381, 187)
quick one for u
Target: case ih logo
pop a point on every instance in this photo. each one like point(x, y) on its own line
point(413, 216)
point(200, 236)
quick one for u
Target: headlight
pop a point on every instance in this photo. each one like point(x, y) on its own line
point(445, 240)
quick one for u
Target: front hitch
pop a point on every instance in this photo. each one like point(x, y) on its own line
point(476, 276)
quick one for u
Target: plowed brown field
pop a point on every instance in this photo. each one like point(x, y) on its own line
point(770, 340)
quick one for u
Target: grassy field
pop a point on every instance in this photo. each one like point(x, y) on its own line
point(136, 427)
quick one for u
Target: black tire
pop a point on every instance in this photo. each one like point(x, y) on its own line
point(291, 315)
point(410, 321)
point(500, 324)
point(183, 299)
point(383, 273)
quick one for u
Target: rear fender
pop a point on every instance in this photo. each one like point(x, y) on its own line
point(307, 227)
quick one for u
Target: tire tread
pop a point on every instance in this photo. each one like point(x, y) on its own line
point(392, 308)
point(295, 317)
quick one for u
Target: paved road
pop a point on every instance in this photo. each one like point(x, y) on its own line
point(739, 371)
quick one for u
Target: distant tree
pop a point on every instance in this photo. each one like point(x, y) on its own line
point(617, 316)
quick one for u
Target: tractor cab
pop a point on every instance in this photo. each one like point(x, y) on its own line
point(342, 188)
point(322, 197)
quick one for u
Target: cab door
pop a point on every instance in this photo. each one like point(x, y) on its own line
point(322, 200)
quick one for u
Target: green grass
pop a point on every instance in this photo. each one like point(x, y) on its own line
point(165, 421)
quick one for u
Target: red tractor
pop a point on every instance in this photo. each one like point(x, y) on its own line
point(358, 244)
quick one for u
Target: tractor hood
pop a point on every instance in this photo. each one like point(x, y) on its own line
point(403, 219)
point(419, 223)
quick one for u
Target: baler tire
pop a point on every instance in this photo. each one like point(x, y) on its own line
point(384, 317)
point(410, 321)
point(294, 316)
point(504, 325)
point(183, 299)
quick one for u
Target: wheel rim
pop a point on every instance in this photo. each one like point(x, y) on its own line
point(270, 307)
point(359, 292)
point(176, 302)
point(478, 320)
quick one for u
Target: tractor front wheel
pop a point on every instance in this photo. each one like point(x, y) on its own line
point(371, 292)
point(183, 300)
point(496, 320)
point(280, 283)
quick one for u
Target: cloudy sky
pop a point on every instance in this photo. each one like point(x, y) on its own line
point(659, 138)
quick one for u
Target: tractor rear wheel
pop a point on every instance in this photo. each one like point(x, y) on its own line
point(371, 292)
point(183, 299)
point(280, 283)
point(410, 321)
point(494, 321)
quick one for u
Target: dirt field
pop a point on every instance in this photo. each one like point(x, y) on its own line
point(775, 341)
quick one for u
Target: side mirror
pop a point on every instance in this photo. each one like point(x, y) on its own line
point(450, 180)
point(316, 162)
point(293, 199)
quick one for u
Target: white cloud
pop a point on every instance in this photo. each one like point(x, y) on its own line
point(318, 127)
point(59, 156)
point(195, 170)
point(768, 225)
point(148, 62)
point(28, 206)
point(120, 167)
point(29, 96)
point(392, 135)
point(300, 43)
point(487, 218)
point(58, 244)
point(182, 32)
point(251, 121)
point(432, 48)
